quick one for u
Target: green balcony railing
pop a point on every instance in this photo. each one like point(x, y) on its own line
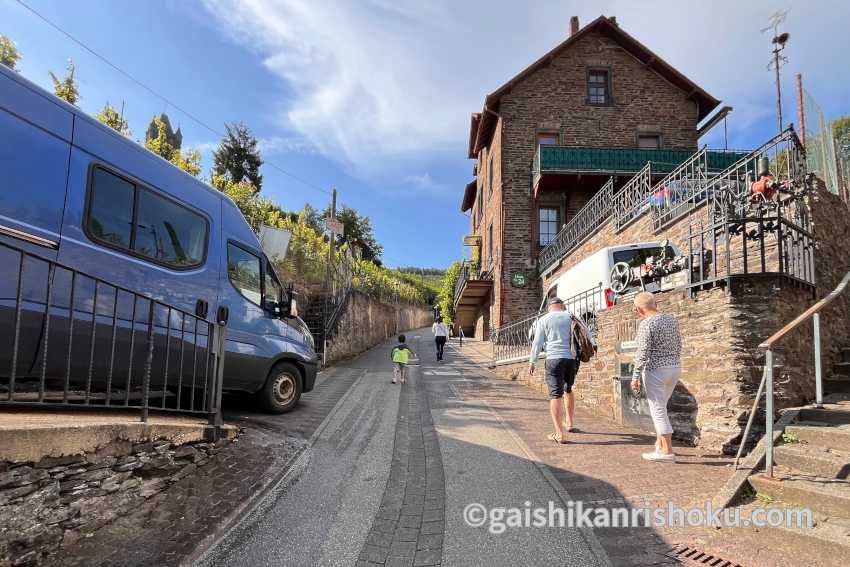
point(608, 161)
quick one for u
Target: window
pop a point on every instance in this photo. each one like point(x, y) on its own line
point(243, 269)
point(167, 232)
point(548, 225)
point(649, 141)
point(272, 288)
point(138, 221)
point(548, 139)
point(490, 245)
point(490, 174)
point(598, 86)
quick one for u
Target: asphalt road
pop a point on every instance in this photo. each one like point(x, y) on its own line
point(389, 475)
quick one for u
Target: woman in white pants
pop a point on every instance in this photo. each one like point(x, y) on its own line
point(659, 347)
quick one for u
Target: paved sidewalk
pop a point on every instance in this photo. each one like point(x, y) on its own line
point(602, 465)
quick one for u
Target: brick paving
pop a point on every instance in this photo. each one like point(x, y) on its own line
point(602, 466)
point(408, 528)
point(169, 527)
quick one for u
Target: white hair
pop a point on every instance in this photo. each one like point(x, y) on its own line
point(645, 300)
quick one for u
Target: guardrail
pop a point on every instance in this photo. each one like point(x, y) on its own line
point(78, 341)
point(580, 227)
point(513, 341)
point(766, 383)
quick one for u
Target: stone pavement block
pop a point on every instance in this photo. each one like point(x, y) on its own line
point(427, 557)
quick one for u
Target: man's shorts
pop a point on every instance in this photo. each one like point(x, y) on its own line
point(560, 376)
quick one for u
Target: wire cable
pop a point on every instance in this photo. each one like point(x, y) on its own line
point(160, 96)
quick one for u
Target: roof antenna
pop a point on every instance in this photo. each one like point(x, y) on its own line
point(779, 40)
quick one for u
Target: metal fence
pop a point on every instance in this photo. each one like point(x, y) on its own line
point(630, 202)
point(580, 227)
point(470, 272)
point(513, 341)
point(77, 341)
point(821, 157)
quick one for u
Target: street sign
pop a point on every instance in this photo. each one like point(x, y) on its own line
point(472, 240)
point(518, 279)
point(335, 225)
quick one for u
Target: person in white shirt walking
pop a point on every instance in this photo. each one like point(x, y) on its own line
point(552, 332)
point(440, 336)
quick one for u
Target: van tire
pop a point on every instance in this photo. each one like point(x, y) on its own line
point(282, 389)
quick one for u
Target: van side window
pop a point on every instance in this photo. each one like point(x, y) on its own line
point(243, 269)
point(169, 233)
point(136, 220)
point(272, 289)
point(111, 209)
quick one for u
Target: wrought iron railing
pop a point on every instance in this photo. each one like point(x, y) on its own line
point(513, 341)
point(75, 341)
point(632, 200)
point(580, 227)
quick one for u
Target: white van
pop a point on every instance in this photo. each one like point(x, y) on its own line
point(586, 287)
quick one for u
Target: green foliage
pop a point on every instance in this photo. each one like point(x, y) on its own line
point(790, 438)
point(428, 286)
point(841, 133)
point(312, 218)
point(358, 228)
point(237, 156)
point(436, 272)
point(9, 54)
point(447, 292)
point(190, 161)
point(114, 120)
point(66, 89)
point(160, 127)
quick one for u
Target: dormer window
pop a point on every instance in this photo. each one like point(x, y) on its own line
point(598, 87)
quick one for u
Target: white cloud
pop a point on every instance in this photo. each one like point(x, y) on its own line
point(378, 83)
point(278, 144)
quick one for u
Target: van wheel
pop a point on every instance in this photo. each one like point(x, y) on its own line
point(282, 390)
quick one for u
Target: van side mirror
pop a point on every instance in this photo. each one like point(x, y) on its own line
point(289, 308)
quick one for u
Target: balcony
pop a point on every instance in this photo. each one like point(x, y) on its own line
point(549, 159)
point(472, 289)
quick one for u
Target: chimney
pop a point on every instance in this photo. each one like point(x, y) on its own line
point(613, 20)
point(573, 25)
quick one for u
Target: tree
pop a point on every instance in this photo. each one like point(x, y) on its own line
point(9, 54)
point(237, 156)
point(190, 162)
point(358, 228)
point(447, 292)
point(66, 89)
point(160, 127)
point(841, 133)
point(114, 120)
point(312, 218)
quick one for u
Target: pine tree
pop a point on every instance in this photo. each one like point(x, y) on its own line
point(9, 55)
point(66, 89)
point(114, 120)
point(237, 156)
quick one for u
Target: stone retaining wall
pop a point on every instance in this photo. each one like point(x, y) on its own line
point(367, 322)
point(60, 499)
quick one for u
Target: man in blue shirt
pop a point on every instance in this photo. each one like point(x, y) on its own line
point(552, 332)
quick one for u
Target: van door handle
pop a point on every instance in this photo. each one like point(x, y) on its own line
point(222, 315)
point(202, 308)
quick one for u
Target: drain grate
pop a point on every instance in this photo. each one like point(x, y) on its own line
point(688, 555)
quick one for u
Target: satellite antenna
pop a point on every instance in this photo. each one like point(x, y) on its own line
point(779, 40)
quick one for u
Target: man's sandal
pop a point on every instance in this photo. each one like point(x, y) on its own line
point(554, 437)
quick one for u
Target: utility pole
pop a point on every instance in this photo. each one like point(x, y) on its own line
point(779, 40)
point(801, 113)
point(331, 223)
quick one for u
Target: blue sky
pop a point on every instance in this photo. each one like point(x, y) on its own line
point(373, 97)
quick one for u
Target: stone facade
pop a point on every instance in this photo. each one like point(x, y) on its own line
point(552, 100)
point(367, 322)
point(58, 500)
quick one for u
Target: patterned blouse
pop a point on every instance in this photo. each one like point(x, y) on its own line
point(658, 344)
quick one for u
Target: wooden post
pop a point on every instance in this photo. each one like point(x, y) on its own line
point(800, 109)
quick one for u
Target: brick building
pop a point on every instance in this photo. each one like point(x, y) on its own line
point(598, 105)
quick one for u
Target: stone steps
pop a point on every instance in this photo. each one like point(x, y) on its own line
point(822, 434)
point(825, 544)
point(814, 460)
point(837, 414)
point(828, 496)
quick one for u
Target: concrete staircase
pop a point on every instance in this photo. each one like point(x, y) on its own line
point(812, 470)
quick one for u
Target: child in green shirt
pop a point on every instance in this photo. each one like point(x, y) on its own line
point(400, 356)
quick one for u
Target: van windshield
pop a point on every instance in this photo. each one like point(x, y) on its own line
point(638, 256)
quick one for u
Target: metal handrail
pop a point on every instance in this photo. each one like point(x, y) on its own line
point(812, 312)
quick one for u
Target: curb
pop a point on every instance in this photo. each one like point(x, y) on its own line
point(289, 472)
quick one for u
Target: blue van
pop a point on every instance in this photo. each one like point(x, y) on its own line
point(76, 192)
